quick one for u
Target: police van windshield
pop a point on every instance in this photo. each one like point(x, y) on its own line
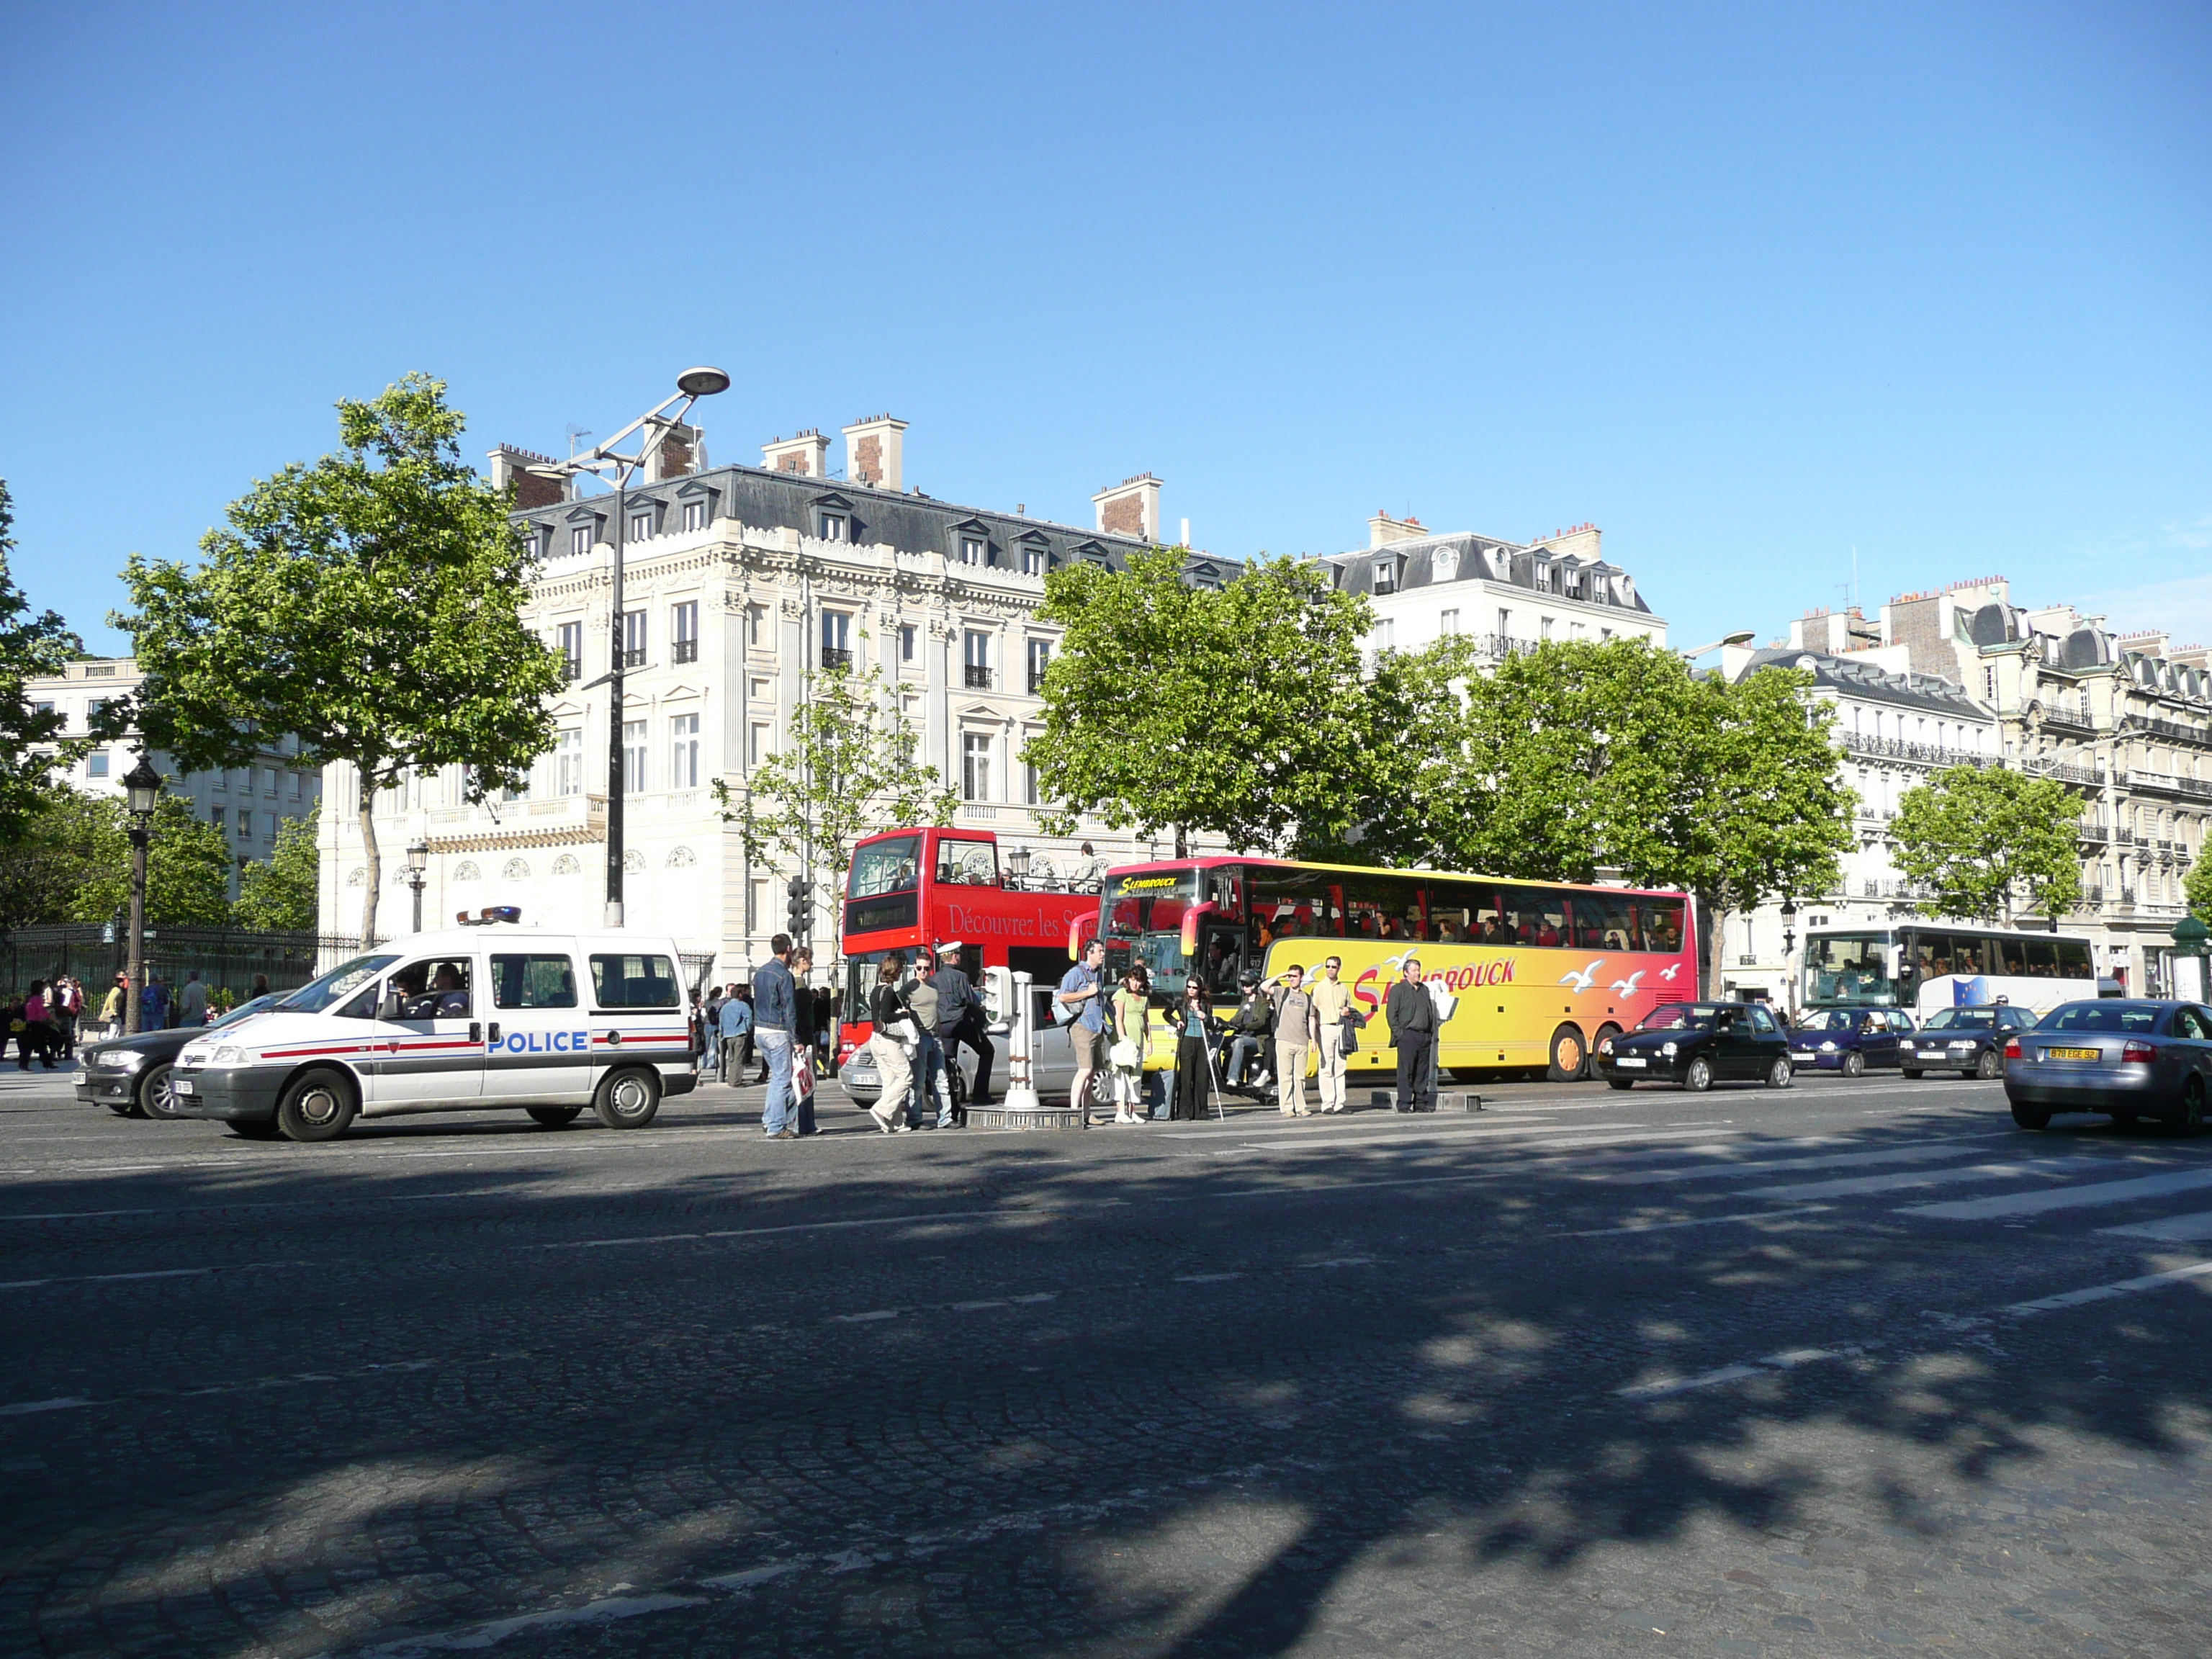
point(340, 982)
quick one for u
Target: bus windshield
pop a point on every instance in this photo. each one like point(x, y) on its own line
point(1144, 922)
point(1850, 969)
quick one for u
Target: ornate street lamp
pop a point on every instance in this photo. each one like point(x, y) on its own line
point(1018, 865)
point(1789, 943)
point(141, 790)
point(418, 862)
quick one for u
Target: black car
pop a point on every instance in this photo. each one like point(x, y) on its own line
point(1968, 1041)
point(130, 1075)
point(1697, 1044)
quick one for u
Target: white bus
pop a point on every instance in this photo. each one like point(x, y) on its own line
point(1922, 967)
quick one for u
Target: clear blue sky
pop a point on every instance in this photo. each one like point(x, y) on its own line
point(1746, 286)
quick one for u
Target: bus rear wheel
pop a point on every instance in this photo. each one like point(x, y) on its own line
point(1570, 1059)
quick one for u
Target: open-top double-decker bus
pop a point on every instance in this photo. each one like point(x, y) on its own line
point(1531, 973)
point(928, 886)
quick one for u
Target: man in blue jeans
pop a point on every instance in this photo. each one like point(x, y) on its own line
point(774, 1004)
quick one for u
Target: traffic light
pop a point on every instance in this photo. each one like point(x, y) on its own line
point(799, 907)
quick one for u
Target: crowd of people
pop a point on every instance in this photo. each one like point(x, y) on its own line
point(50, 1019)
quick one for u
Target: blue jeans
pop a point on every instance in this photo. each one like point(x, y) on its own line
point(781, 1106)
point(930, 1082)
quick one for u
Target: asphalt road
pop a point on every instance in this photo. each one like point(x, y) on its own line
point(1853, 1367)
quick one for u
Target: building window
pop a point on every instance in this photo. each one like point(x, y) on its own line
point(568, 763)
point(971, 549)
point(908, 643)
point(221, 778)
point(1449, 621)
point(1543, 627)
point(831, 527)
point(570, 644)
point(695, 515)
point(1990, 685)
point(836, 639)
point(1033, 562)
point(684, 752)
point(975, 766)
point(1386, 634)
point(684, 632)
point(215, 817)
point(1505, 624)
point(759, 744)
point(756, 627)
point(1029, 793)
point(633, 757)
point(1040, 659)
point(269, 825)
point(580, 539)
point(633, 639)
point(976, 654)
point(293, 788)
point(641, 525)
point(1386, 575)
point(96, 763)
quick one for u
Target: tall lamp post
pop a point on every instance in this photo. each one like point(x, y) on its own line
point(1789, 944)
point(418, 863)
point(606, 462)
point(142, 788)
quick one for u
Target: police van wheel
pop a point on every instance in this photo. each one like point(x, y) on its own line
point(316, 1106)
point(554, 1117)
point(628, 1100)
point(1570, 1060)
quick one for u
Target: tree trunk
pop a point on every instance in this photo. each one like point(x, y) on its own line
point(1712, 920)
point(1183, 841)
point(373, 877)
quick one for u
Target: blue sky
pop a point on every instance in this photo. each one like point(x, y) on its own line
point(1749, 288)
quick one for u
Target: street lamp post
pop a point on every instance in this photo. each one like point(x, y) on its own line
point(418, 863)
point(606, 461)
point(1789, 944)
point(142, 788)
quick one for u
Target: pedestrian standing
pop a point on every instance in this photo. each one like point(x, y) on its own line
point(1131, 1016)
point(733, 1023)
point(1412, 1019)
point(39, 1035)
point(153, 1004)
point(775, 997)
point(891, 1045)
point(929, 1080)
point(1081, 998)
point(260, 986)
point(192, 1002)
point(1336, 1017)
point(67, 1011)
point(1296, 1031)
point(1196, 1031)
point(111, 1007)
point(960, 1019)
point(805, 1038)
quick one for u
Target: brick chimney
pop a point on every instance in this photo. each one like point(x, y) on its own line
point(1579, 541)
point(510, 465)
point(682, 452)
point(807, 454)
point(1131, 508)
point(1382, 529)
point(875, 452)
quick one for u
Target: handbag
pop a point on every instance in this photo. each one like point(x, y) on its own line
point(1123, 1055)
point(1351, 1028)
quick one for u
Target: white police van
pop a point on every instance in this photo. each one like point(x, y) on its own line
point(471, 1017)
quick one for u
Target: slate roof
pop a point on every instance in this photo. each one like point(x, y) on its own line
point(1472, 558)
point(1868, 682)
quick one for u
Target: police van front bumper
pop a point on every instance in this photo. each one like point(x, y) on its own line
point(232, 1093)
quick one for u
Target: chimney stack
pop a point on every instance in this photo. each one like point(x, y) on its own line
point(510, 465)
point(682, 452)
point(1131, 508)
point(807, 454)
point(875, 452)
point(1382, 529)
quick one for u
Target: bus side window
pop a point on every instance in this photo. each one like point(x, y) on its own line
point(2013, 958)
point(2073, 959)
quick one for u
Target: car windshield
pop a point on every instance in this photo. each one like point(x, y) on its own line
point(2107, 1016)
point(1825, 1019)
point(245, 1010)
point(340, 982)
point(1961, 1019)
point(1678, 1017)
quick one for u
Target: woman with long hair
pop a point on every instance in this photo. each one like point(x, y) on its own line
point(1131, 1016)
point(1197, 1032)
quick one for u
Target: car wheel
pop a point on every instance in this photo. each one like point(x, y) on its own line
point(1699, 1077)
point(2030, 1117)
point(554, 1117)
point(1782, 1074)
point(1570, 1059)
point(316, 1106)
point(1854, 1064)
point(627, 1099)
point(157, 1091)
point(254, 1129)
point(1912, 1072)
point(1619, 1083)
point(1989, 1067)
point(2189, 1121)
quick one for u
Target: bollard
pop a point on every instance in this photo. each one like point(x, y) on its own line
point(1021, 1094)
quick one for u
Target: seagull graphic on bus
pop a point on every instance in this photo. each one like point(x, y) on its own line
point(1668, 972)
point(1585, 978)
point(1627, 987)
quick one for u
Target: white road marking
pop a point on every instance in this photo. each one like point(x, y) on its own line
point(2105, 1292)
point(1696, 1221)
point(102, 1278)
point(1852, 1185)
point(1204, 1278)
point(25, 1409)
point(2173, 1229)
point(2066, 1198)
point(1921, 1152)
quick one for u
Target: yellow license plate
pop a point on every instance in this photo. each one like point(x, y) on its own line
point(2072, 1054)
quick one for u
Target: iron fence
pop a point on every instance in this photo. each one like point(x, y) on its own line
point(226, 958)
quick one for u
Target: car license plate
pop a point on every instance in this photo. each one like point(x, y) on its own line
point(1630, 1063)
point(2073, 1054)
point(185, 1086)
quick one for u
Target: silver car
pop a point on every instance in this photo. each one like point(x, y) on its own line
point(1052, 1061)
point(2130, 1058)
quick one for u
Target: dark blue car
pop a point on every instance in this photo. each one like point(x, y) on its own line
point(1848, 1040)
point(1968, 1041)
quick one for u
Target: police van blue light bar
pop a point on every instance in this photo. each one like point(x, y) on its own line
point(511, 914)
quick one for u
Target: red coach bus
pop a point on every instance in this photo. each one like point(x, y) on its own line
point(925, 886)
point(1526, 973)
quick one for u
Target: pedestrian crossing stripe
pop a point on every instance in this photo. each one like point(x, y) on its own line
point(2064, 1197)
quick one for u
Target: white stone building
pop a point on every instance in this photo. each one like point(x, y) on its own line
point(737, 580)
point(248, 804)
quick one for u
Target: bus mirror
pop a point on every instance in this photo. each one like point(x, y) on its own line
point(1190, 932)
point(1077, 927)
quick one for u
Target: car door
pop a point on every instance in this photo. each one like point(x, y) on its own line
point(1764, 1042)
point(2192, 1031)
point(637, 1010)
point(433, 1041)
point(1877, 1038)
point(537, 1045)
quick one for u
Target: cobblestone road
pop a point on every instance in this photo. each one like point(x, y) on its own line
point(1854, 1367)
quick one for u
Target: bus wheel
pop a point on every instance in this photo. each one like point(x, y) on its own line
point(1569, 1058)
point(554, 1117)
point(627, 1099)
point(318, 1106)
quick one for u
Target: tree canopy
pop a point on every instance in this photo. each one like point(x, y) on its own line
point(369, 604)
point(282, 892)
point(2196, 887)
point(74, 865)
point(1992, 842)
point(1234, 712)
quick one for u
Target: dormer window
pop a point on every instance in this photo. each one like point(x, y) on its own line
point(580, 539)
point(1444, 563)
point(695, 515)
point(831, 527)
point(1386, 575)
point(641, 525)
point(972, 550)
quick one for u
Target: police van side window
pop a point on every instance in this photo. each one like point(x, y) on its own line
point(435, 989)
point(532, 981)
point(627, 980)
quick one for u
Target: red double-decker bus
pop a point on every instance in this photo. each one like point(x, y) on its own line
point(926, 887)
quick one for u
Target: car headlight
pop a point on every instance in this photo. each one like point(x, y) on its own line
point(123, 1060)
point(1667, 1049)
point(1605, 1045)
point(1829, 1047)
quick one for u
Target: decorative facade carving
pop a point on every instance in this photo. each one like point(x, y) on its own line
point(566, 865)
point(466, 871)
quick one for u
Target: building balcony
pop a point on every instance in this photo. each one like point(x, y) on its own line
point(977, 678)
point(1900, 749)
point(2166, 783)
point(836, 656)
point(634, 659)
point(1037, 681)
point(495, 826)
point(683, 651)
point(2176, 732)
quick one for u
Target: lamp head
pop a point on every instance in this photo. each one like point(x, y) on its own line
point(1742, 637)
point(702, 382)
point(418, 855)
point(143, 786)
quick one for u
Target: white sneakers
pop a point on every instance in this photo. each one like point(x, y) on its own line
point(883, 1122)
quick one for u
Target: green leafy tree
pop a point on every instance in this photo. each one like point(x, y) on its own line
point(282, 892)
point(1991, 843)
point(1235, 712)
point(848, 768)
point(33, 748)
point(1411, 711)
point(58, 851)
point(2196, 887)
point(1576, 757)
point(368, 604)
point(187, 866)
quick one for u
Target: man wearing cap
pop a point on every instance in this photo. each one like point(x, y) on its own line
point(1412, 1019)
point(960, 1019)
